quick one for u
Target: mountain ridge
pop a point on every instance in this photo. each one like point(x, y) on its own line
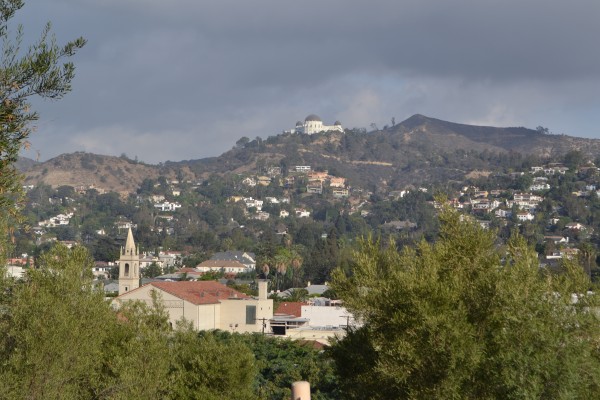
point(418, 149)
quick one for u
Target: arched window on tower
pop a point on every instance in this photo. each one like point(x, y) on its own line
point(126, 269)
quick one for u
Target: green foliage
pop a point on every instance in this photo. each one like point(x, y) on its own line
point(463, 319)
point(152, 271)
point(205, 368)
point(60, 339)
point(282, 362)
point(37, 72)
point(53, 329)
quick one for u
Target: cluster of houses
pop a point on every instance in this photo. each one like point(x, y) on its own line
point(316, 180)
point(213, 305)
point(482, 201)
point(58, 220)
point(256, 205)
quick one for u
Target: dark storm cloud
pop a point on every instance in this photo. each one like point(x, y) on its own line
point(185, 79)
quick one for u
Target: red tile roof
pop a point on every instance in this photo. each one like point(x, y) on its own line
point(201, 292)
point(290, 308)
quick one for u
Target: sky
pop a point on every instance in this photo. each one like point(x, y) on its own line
point(185, 79)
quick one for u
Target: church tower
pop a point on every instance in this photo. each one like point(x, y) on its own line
point(129, 266)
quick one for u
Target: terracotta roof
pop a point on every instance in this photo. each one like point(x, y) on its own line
point(202, 292)
point(290, 308)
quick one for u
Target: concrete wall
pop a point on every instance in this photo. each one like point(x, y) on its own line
point(234, 312)
point(327, 316)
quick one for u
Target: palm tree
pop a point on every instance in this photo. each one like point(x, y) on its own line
point(296, 266)
point(265, 270)
point(281, 264)
point(587, 257)
point(297, 295)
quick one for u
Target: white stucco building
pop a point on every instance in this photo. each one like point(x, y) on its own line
point(313, 124)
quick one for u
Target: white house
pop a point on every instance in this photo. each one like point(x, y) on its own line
point(226, 266)
point(167, 206)
point(250, 202)
point(245, 257)
point(525, 216)
point(302, 213)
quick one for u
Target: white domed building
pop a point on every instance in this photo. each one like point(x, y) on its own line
point(314, 124)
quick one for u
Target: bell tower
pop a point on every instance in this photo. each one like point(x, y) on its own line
point(129, 266)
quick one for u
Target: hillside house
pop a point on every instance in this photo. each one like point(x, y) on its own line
point(525, 216)
point(318, 176)
point(249, 182)
point(302, 168)
point(125, 224)
point(263, 180)
point(226, 266)
point(525, 201)
point(314, 187)
point(102, 269)
point(261, 216)
point(302, 213)
point(337, 182)
point(167, 206)
point(574, 226)
point(169, 258)
point(250, 202)
point(245, 257)
point(340, 192)
point(557, 239)
point(59, 220)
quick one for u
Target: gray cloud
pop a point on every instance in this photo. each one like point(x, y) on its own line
point(185, 79)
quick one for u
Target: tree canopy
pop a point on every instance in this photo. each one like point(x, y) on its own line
point(467, 318)
point(60, 339)
point(42, 70)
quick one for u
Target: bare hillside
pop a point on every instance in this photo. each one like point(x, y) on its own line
point(105, 173)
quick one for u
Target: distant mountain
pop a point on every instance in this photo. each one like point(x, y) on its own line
point(416, 151)
point(108, 173)
point(24, 164)
point(453, 136)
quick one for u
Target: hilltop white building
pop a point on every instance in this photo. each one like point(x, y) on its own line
point(313, 124)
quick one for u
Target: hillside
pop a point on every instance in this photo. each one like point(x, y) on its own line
point(415, 151)
point(105, 173)
point(453, 136)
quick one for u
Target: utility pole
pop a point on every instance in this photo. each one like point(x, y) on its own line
point(264, 323)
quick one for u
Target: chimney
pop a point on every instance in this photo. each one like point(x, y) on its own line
point(301, 390)
point(262, 289)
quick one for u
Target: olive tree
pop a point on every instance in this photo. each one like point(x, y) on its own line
point(41, 70)
point(464, 318)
